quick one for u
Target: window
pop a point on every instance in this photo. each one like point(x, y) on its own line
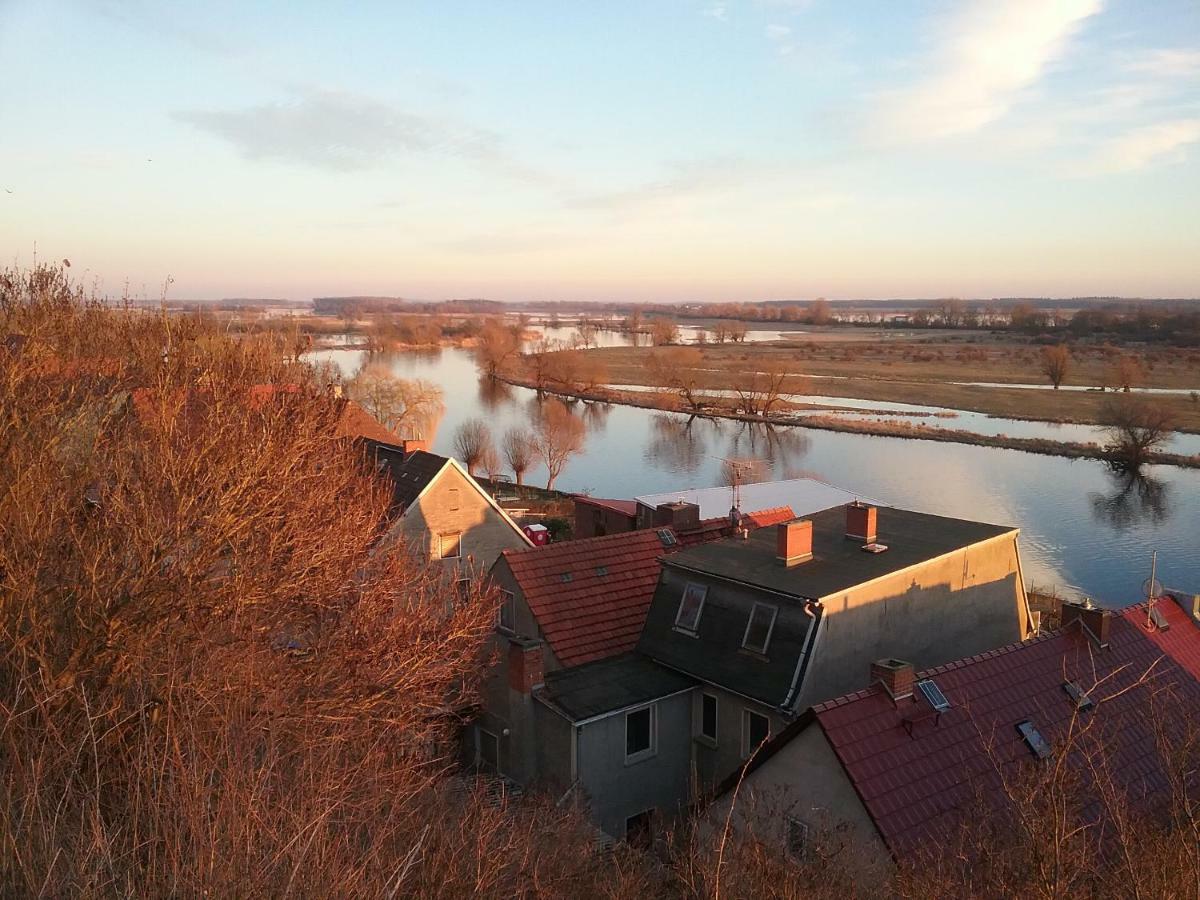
point(453, 498)
point(708, 717)
point(506, 612)
point(690, 606)
point(487, 751)
point(933, 694)
point(667, 537)
point(462, 587)
point(756, 728)
point(450, 545)
point(796, 837)
point(639, 734)
point(759, 628)
point(1034, 739)
point(639, 830)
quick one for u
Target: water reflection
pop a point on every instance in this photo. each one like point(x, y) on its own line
point(595, 416)
point(1136, 499)
point(778, 450)
point(679, 444)
point(494, 393)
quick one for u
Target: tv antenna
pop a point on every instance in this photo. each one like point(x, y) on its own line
point(1153, 589)
point(736, 467)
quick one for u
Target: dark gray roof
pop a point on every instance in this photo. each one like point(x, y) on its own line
point(409, 476)
point(838, 563)
point(715, 654)
point(608, 685)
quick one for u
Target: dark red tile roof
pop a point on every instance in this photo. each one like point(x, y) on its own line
point(712, 529)
point(914, 785)
point(600, 611)
point(624, 507)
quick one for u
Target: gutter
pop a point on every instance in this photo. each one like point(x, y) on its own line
point(813, 609)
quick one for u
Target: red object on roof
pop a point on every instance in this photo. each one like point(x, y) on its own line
point(591, 596)
point(918, 772)
point(624, 507)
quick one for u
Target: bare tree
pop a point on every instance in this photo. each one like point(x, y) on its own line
point(410, 407)
point(677, 368)
point(1135, 427)
point(1126, 372)
point(761, 391)
point(663, 331)
point(498, 343)
point(473, 443)
point(560, 435)
point(737, 332)
point(1056, 362)
point(520, 449)
point(819, 312)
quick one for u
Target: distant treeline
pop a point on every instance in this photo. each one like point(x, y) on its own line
point(352, 307)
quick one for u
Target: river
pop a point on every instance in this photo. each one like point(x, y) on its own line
point(1083, 529)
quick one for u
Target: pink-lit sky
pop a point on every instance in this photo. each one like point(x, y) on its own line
point(674, 150)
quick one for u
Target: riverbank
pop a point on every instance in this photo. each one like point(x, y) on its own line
point(881, 428)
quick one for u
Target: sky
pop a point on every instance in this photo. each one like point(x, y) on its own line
point(664, 150)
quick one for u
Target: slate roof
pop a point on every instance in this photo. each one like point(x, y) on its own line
point(600, 611)
point(608, 685)
point(838, 564)
point(914, 786)
point(409, 475)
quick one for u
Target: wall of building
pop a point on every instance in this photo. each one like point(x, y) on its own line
point(958, 605)
point(485, 532)
point(594, 521)
point(716, 761)
point(617, 791)
point(805, 780)
point(552, 753)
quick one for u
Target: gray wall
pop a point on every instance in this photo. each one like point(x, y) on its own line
point(617, 791)
point(714, 763)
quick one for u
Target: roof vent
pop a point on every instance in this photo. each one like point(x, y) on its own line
point(1037, 744)
point(874, 548)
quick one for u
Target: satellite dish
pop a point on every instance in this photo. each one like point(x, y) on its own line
point(1152, 589)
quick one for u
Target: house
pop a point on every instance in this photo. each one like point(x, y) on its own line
point(803, 495)
point(565, 606)
point(595, 517)
point(897, 766)
point(443, 513)
point(791, 615)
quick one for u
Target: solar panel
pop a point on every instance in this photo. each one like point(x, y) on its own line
point(1083, 702)
point(1034, 739)
point(934, 695)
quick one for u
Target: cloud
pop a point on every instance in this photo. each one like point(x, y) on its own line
point(1143, 146)
point(987, 54)
point(718, 11)
point(685, 181)
point(341, 131)
point(1168, 63)
point(781, 37)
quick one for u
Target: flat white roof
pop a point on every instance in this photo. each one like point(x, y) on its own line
point(804, 495)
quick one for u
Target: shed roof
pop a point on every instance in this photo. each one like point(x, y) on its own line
point(624, 507)
point(609, 685)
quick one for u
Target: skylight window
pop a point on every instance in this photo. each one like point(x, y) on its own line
point(759, 628)
point(566, 576)
point(1079, 696)
point(687, 618)
point(601, 571)
point(1033, 737)
point(933, 694)
point(667, 537)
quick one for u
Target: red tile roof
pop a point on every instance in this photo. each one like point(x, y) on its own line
point(600, 611)
point(712, 529)
point(624, 507)
point(915, 785)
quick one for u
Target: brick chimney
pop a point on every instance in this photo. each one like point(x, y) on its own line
point(680, 515)
point(1096, 621)
point(896, 676)
point(524, 665)
point(412, 445)
point(860, 522)
point(793, 541)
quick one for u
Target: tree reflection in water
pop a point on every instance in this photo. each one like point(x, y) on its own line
point(494, 393)
point(1136, 498)
point(595, 416)
point(773, 452)
point(679, 444)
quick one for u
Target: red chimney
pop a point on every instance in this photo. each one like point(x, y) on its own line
point(896, 676)
point(1089, 616)
point(412, 445)
point(860, 522)
point(524, 665)
point(793, 541)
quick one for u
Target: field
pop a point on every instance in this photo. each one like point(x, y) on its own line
point(924, 371)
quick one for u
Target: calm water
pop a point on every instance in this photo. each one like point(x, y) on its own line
point(1082, 528)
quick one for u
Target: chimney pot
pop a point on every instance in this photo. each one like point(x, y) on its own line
point(860, 522)
point(896, 676)
point(793, 542)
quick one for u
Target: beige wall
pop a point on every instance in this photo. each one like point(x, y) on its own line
point(485, 532)
point(955, 606)
point(805, 780)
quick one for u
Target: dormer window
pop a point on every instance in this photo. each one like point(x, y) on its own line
point(690, 606)
point(759, 628)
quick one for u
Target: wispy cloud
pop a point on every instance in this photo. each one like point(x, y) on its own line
point(985, 56)
point(718, 11)
point(1164, 141)
point(780, 37)
point(1168, 63)
point(685, 181)
point(342, 132)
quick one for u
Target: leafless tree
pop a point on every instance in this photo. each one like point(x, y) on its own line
point(663, 331)
point(677, 368)
point(1136, 427)
point(473, 443)
point(520, 450)
point(560, 435)
point(761, 391)
point(1056, 362)
point(1126, 372)
point(410, 407)
point(498, 343)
